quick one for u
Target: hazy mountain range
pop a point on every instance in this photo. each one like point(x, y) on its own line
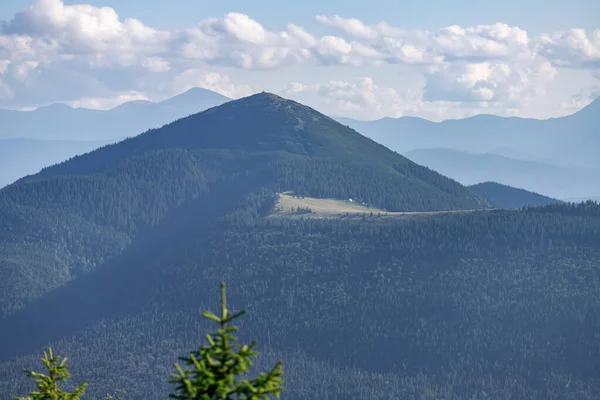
point(62, 122)
point(470, 168)
point(570, 140)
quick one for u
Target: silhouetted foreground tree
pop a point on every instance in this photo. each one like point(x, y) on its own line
point(213, 372)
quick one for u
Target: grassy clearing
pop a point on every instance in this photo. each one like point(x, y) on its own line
point(289, 206)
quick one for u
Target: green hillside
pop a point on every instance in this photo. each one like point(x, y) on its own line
point(446, 307)
point(87, 210)
point(110, 257)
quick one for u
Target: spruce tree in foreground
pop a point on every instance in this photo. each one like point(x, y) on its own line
point(214, 369)
point(47, 385)
point(212, 375)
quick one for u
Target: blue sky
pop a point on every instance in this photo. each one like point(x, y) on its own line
point(436, 59)
point(535, 15)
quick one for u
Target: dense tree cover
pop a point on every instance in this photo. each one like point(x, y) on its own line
point(62, 223)
point(384, 187)
point(493, 303)
point(509, 197)
point(109, 257)
point(55, 229)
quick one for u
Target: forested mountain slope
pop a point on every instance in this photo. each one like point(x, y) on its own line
point(87, 210)
point(492, 304)
point(111, 256)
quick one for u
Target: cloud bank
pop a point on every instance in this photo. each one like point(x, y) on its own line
point(55, 52)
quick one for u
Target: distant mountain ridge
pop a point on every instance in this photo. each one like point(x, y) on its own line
point(62, 122)
point(32, 140)
point(572, 139)
point(504, 196)
point(542, 177)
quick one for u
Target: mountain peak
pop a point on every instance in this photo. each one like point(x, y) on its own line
point(264, 122)
point(268, 99)
point(267, 126)
point(195, 97)
point(288, 113)
point(268, 96)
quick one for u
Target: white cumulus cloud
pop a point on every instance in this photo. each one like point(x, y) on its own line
point(239, 41)
point(90, 54)
point(353, 26)
point(512, 84)
point(361, 98)
point(573, 48)
point(50, 26)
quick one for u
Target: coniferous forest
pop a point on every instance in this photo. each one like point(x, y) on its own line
point(111, 257)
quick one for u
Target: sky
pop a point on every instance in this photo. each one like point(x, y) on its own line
point(436, 59)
